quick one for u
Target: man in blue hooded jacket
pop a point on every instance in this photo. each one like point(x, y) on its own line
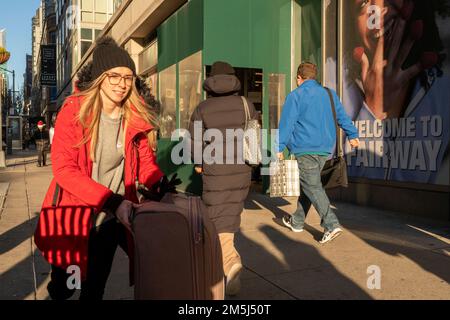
point(308, 130)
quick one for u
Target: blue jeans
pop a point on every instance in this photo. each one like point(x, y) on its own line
point(313, 193)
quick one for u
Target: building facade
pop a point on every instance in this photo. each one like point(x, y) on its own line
point(3, 92)
point(3, 74)
point(28, 83)
point(36, 34)
point(43, 36)
point(3, 38)
point(79, 22)
point(403, 161)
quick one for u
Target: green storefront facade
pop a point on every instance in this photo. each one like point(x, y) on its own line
point(257, 37)
point(266, 40)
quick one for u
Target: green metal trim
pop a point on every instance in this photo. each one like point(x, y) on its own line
point(177, 98)
point(181, 35)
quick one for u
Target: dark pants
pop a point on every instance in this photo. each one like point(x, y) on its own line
point(103, 242)
point(42, 157)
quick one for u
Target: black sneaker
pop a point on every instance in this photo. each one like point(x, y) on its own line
point(287, 221)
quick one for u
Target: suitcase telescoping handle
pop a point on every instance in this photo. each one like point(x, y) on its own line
point(197, 222)
point(132, 217)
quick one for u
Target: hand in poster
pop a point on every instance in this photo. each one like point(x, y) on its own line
point(386, 84)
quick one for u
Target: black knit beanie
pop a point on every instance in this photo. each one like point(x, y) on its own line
point(107, 55)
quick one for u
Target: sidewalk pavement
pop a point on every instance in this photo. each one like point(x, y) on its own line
point(413, 254)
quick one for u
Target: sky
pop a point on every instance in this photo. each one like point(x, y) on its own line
point(15, 17)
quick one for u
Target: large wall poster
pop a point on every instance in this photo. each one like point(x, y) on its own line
point(396, 88)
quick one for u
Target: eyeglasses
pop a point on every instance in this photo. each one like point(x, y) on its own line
point(114, 79)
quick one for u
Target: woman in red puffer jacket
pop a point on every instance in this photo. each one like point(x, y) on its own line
point(104, 142)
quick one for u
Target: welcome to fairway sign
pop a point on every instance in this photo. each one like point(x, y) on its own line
point(48, 65)
point(401, 111)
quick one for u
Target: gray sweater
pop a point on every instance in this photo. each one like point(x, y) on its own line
point(109, 155)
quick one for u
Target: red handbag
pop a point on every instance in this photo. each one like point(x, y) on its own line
point(62, 233)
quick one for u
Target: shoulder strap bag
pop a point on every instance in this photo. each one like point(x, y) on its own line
point(334, 173)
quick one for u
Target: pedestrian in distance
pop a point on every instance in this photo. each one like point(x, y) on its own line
point(308, 131)
point(104, 142)
point(41, 137)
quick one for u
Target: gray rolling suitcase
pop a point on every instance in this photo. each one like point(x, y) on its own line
point(177, 251)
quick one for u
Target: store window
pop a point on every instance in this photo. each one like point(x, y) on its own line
point(100, 6)
point(97, 33)
point(330, 75)
point(148, 64)
point(190, 87)
point(277, 89)
point(308, 33)
point(87, 16)
point(167, 94)
point(100, 17)
point(86, 34)
point(87, 5)
point(150, 81)
point(148, 58)
point(85, 45)
point(86, 40)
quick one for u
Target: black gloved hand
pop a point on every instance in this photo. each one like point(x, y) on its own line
point(160, 188)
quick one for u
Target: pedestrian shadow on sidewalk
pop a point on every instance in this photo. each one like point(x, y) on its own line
point(291, 270)
point(405, 236)
point(395, 239)
point(23, 163)
point(17, 283)
point(15, 236)
point(259, 201)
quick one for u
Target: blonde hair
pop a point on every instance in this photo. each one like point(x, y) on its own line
point(91, 109)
